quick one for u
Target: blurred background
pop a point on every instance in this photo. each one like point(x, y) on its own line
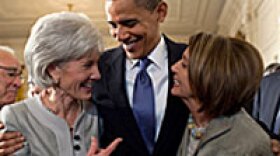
point(256, 21)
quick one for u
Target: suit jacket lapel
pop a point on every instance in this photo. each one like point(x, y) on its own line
point(118, 90)
point(116, 78)
point(176, 111)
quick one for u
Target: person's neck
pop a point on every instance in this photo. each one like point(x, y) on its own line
point(200, 118)
point(62, 105)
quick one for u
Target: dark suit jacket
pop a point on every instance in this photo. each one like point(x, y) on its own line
point(109, 94)
point(267, 101)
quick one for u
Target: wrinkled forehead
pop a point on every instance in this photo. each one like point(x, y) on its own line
point(7, 59)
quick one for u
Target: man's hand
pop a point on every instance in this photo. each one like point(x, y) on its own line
point(95, 151)
point(10, 142)
point(275, 146)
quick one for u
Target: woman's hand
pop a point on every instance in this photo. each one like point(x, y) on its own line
point(10, 142)
point(275, 146)
point(95, 151)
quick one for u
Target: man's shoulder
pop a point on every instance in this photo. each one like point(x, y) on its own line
point(271, 80)
point(111, 53)
point(273, 76)
point(176, 44)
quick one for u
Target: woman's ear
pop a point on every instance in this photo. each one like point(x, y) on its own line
point(54, 72)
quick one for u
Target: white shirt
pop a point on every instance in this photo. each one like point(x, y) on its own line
point(158, 71)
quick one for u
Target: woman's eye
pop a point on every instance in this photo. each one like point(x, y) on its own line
point(88, 64)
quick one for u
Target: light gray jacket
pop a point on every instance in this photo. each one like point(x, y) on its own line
point(238, 135)
point(47, 134)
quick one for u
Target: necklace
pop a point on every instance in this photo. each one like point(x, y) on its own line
point(195, 132)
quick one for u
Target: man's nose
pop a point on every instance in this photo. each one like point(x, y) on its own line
point(18, 81)
point(120, 33)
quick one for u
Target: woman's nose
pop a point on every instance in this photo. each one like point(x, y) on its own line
point(95, 73)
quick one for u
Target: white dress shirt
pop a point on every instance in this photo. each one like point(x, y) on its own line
point(158, 71)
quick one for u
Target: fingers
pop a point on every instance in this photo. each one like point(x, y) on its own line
point(94, 150)
point(10, 150)
point(93, 147)
point(110, 148)
point(10, 139)
point(11, 135)
point(275, 146)
point(10, 142)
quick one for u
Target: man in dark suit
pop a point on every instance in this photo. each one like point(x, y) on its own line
point(266, 106)
point(135, 24)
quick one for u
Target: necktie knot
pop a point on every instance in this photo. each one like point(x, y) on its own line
point(144, 63)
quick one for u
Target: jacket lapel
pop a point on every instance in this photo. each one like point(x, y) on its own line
point(217, 127)
point(116, 78)
point(118, 90)
point(175, 118)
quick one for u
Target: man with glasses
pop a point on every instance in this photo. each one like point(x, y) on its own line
point(10, 76)
point(10, 82)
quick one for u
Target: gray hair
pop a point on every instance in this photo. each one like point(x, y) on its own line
point(7, 49)
point(58, 38)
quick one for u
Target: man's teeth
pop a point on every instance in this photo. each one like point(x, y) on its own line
point(131, 42)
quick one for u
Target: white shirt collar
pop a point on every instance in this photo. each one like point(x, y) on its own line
point(157, 56)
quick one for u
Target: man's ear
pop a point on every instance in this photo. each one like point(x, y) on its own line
point(54, 72)
point(162, 9)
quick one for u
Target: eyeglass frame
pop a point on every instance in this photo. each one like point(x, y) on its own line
point(12, 72)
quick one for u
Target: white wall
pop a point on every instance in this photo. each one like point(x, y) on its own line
point(258, 20)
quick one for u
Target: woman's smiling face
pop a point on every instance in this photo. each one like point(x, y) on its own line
point(181, 87)
point(76, 76)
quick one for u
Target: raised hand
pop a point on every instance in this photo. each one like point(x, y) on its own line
point(95, 151)
point(275, 146)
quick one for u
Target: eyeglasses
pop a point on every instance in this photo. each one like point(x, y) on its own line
point(13, 72)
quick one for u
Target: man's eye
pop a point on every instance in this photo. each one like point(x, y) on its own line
point(12, 74)
point(112, 25)
point(131, 24)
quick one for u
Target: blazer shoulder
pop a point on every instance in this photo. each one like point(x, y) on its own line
point(173, 44)
point(16, 108)
point(13, 115)
point(253, 136)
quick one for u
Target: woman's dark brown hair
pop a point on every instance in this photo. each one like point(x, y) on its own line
point(224, 72)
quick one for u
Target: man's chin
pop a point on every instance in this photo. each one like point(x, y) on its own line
point(7, 102)
point(134, 55)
